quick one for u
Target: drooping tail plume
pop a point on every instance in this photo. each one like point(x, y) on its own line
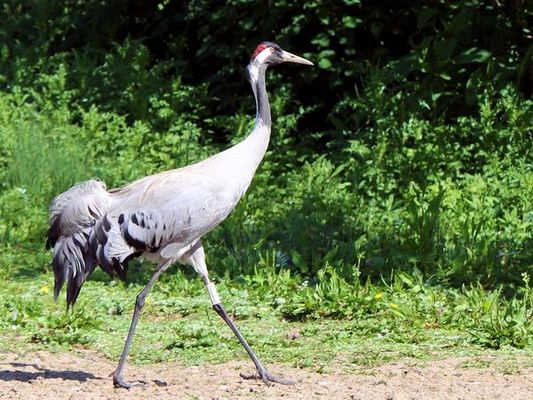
point(73, 215)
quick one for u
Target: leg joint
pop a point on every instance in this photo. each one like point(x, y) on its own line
point(213, 294)
point(220, 310)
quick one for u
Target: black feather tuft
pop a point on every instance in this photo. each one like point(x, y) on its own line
point(54, 232)
point(106, 223)
point(135, 243)
point(73, 262)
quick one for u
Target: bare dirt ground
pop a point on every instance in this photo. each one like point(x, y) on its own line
point(84, 374)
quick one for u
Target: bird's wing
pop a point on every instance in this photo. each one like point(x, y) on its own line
point(176, 207)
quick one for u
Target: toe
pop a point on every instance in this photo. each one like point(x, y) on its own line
point(119, 382)
point(267, 377)
point(277, 379)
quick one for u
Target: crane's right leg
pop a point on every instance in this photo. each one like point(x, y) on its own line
point(197, 260)
point(118, 380)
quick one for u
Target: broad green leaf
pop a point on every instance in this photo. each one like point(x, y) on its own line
point(324, 63)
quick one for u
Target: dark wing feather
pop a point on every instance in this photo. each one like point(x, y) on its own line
point(73, 215)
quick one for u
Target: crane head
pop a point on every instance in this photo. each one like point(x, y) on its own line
point(268, 53)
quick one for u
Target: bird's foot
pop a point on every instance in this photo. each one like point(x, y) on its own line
point(267, 377)
point(119, 382)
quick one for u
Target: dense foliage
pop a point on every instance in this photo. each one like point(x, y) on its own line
point(408, 149)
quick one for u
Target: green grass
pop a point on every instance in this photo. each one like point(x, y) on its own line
point(355, 325)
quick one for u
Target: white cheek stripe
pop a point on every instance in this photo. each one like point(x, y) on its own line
point(213, 294)
point(254, 72)
point(261, 57)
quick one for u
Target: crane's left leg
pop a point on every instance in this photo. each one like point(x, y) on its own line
point(197, 260)
point(118, 379)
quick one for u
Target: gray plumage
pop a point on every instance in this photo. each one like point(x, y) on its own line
point(161, 217)
point(158, 217)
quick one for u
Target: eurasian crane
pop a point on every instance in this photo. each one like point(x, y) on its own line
point(162, 217)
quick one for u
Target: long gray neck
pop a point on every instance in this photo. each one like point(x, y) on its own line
point(257, 80)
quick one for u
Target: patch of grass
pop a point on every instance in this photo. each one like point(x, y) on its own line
point(508, 364)
point(476, 363)
point(407, 318)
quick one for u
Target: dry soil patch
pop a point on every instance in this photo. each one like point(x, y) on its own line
point(84, 374)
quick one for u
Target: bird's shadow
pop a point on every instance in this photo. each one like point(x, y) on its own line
point(45, 373)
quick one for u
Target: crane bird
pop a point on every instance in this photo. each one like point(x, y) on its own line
point(162, 217)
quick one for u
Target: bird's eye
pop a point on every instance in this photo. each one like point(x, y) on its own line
point(272, 49)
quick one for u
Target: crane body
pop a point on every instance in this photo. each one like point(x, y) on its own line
point(162, 217)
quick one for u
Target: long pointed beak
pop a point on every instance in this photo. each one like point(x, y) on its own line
point(293, 58)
